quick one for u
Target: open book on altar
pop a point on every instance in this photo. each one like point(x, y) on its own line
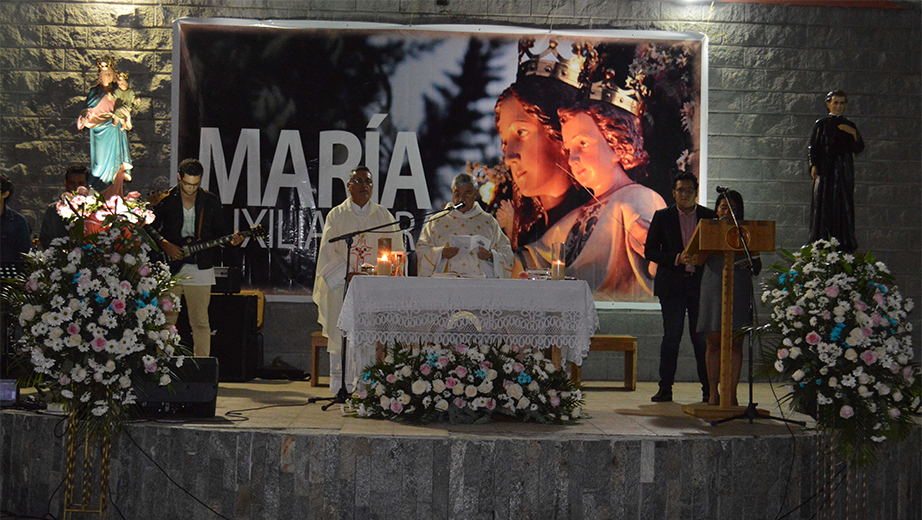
point(469, 242)
point(452, 274)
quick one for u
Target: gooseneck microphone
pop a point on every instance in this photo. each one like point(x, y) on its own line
point(722, 189)
point(458, 205)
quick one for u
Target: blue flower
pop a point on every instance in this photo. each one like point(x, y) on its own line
point(145, 294)
point(140, 304)
point(366, 376)
point(99, 299)
point(524, 378)
point(482, 374)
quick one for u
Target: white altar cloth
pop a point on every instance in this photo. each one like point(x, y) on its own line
point(536, 313)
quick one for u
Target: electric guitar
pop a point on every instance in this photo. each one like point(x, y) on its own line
point(190, 246)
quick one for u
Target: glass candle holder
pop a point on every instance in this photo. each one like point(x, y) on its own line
point(558, 253)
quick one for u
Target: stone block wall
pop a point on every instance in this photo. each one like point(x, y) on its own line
point(768, 69)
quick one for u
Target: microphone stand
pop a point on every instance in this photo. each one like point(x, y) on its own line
point(751, 412)
point(342, 395)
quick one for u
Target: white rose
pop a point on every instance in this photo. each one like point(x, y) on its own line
point(851, 354)
point(470, 390)
point(406, 371)
point(795, 352)
point(458, 389)
point(485, 387)
point(404, 399)
point(164, 379)
point(523, 403)
point(779, 365)
point(438, 385)
point(441, 405)
point(533, 386)
point(419, 387)
point(833, 382)
point(798, 375)
point(384, 402)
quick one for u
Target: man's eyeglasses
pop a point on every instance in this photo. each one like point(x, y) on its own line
point(683, 191)
point(369, 182)
point(190, 184)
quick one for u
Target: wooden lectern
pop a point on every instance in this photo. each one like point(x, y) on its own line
point(722, 237)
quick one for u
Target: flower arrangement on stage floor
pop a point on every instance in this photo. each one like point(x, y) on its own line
point(466, 384)
point(91, 307)
point(845, 347)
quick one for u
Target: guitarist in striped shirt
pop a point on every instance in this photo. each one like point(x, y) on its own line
point(189, 215)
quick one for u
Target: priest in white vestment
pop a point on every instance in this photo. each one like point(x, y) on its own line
point(468, 241)
point(356, 213)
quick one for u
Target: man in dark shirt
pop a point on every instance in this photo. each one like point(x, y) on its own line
point(53, 225)
point(678, 280)
point(14, 230)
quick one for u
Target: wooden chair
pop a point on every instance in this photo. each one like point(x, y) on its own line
point(318, 341)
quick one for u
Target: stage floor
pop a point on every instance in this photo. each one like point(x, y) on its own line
point(612, 411)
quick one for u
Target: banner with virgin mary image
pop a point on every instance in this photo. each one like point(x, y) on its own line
point(573, 136)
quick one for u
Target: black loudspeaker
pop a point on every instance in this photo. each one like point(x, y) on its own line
point(233, 334)
point(193, 391)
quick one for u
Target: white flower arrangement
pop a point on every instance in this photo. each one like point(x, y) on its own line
point(466, 384)
point(845, 345)
point(91, 307)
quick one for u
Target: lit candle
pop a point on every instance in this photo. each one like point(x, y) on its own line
point(557, 269)
point(384, 266)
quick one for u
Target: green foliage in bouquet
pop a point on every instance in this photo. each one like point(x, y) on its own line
point(843, 346)
point(91, 308)
point(466, 384)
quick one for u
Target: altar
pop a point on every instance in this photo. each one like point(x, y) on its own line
point(535, 313)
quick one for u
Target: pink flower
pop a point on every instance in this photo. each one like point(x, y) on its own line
point(459, 403)
point(879, 298)
point(167, 304)
point(64, 380)
point(73, 328)
point(114, 258)
point(451, 382)
point(144, 270)
point(555, 401)
point(907, 372)
point(486, 364)
point(172, 329)
point(860, 306)
point(150, 367)
point(894, 413)
point(98, 343)
point(425, 369)
point(118, 306)
point(869, 357)
point(506, 384)
point(846, 412)
point(363, 394)
point(125, 284)
point(396, 407)
point(813, 338)
point(133, 195)
point(461, 348)
point(518, 367)
point(876, 319)
point(31, 285)
point(391, 378)
point(491, 404)
point(827, 315)
point(866, 331)
point(783, 353)
point(443, 361)
point(832, 291)
point(461, 371)
point(516, 348)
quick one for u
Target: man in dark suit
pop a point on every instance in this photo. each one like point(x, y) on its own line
point(678, 279)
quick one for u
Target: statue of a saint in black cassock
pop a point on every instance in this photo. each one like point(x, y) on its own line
point(833, 144)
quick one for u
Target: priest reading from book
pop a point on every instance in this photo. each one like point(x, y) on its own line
point(466, 242)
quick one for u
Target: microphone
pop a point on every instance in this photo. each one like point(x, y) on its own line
point(458, 205)
point(722, 189)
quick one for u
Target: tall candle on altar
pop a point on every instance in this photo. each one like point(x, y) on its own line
point(384, 257)
point(557, 261)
